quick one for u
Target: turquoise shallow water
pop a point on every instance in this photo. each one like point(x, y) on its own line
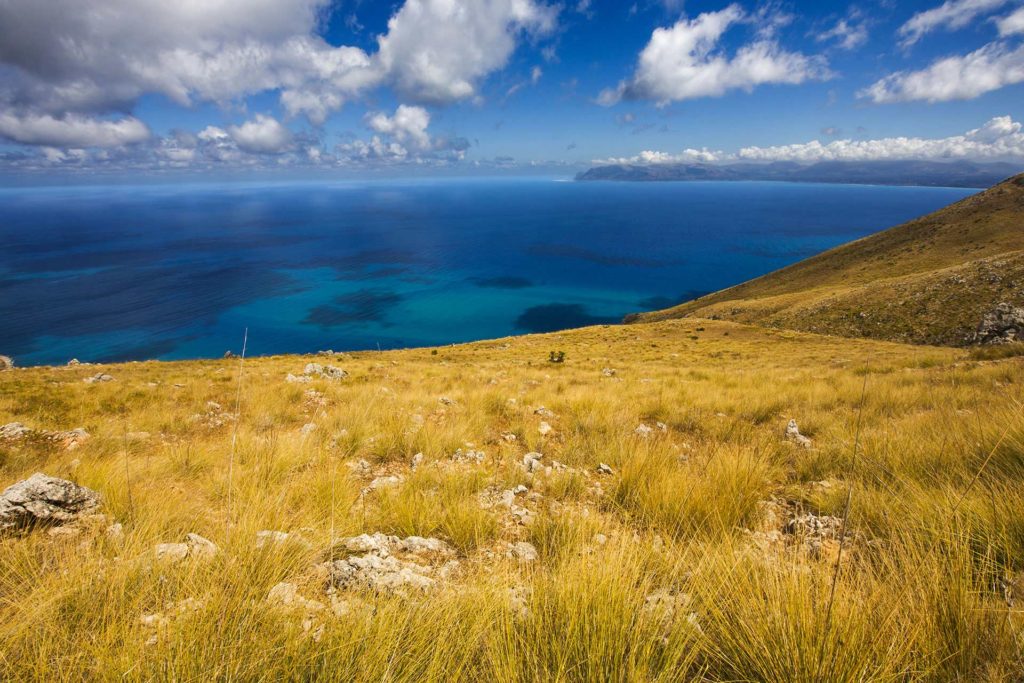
point(105, 273)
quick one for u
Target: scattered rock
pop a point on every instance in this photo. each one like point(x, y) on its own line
point(643, 430)
point(68, 440)
point(793, 434)
point(1002, 325)
point(531, 461)
point(100, 377)
point(307, 428)
point(115, 532)
point(293, 379)
point(469, 456)
point(6, 363)
point(522, 551)
point(73, 362)
point(383, 483)
point(416, 461)
point(44, 500)
point(199, 547)
point(543, 412)
point(608, 372)
point(171, 552)
point(270, 537)
point(544, 428)
point(195, 546)
point(286, 596)
point(444, 400)
point(602, 468)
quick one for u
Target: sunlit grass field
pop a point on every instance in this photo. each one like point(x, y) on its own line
point(714, 550)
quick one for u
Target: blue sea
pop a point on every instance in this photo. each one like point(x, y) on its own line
point(180, 271)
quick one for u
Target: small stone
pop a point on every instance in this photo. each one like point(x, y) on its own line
point(520, 490)
point(308, 428)
point(269, 537)
point(544, 428)
point(292, 379)
point(602, 468)
point(600, 539)
point(608, 372)
point(6, 363)
point(643, 430)
point(115, 532)
point(794, 435)
point(73, 362)
point(417, 460)
point(100, 377)
point(171, 552)
point(522, 551)
point(543, 412)
point(531, 461)
point(200, 547)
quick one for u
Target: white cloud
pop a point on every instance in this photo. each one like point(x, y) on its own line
point(1001, 138)
point(63, 58)
point(71, 131)
point(262, 135)
point(964, 77)
point(650, 157)
point(437, 50)
point(682, 62)
point(951, 15)
point(847, 33)
point(409, 124)
point(1012, 24)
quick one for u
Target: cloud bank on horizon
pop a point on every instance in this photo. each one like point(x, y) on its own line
point(296, 84)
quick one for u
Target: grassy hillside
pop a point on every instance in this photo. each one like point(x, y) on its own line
point(927, 281)
point(709, 547)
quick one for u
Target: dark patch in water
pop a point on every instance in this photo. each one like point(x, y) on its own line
point(656, 303)
point(583, 254)
point(554, 317)
point(378, 274)
point(502, 282)
point(149, 351)
point(366, 305)
point(156, 299)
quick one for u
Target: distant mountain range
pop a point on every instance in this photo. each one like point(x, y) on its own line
point(928, 173)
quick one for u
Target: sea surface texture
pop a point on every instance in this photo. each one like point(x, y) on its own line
point(108, 274)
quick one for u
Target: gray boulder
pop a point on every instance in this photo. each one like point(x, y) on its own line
point(44, 500)
point(1001, 325)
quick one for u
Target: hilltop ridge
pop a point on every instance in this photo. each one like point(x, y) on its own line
point(930, 280)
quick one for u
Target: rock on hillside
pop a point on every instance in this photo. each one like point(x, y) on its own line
point(44, 500)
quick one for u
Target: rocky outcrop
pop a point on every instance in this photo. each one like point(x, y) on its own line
point(17, 432)
point(6, 363)
point(389, 564)
point(41, 499)
point(1002, 325)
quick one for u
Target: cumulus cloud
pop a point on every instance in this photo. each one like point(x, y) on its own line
point(965, 77)
point(1012, 23)
point(651, 157)
point(998, 139)
point(262, 135)
point(71, 130)
point(408, 125)
point(951, 15)
point(437, 50)
point(683, 61)
point(64, 60)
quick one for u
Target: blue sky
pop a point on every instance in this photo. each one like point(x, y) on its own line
point(309, 86)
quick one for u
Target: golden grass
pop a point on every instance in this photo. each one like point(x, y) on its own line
point(659, 571)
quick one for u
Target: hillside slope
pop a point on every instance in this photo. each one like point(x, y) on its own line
point(927, 281)
point(640, 511)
